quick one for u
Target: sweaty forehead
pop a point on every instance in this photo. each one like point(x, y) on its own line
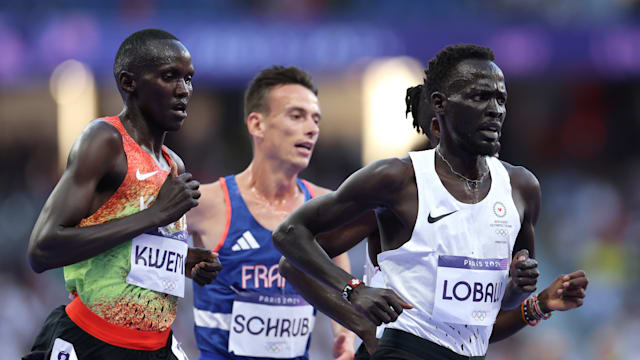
point(474, 71)
point(293, 95)
point(162, 52)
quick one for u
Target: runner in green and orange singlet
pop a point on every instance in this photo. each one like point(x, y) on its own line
point(115, 220)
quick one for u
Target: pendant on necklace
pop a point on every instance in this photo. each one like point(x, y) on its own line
point(472, 186)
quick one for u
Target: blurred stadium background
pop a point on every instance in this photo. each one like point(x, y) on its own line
point(573, 76)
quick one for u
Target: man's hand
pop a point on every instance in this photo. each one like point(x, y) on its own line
point(378, 305)
point(202, 265)
point(566, 293)
point(524, 272)
point(343, 347)
point(523, 279)
point(177, 195)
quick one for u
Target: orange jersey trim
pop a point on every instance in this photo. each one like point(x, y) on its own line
point(308, 186)
point(227, 203)
point(113, 334)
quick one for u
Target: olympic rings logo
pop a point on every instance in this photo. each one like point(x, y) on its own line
point(479, 315)
point(502, 232)
point(168, 284)
point(275, 347)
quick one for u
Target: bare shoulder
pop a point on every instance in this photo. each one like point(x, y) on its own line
point(101, 132)
point(377, 183)
point(212, 200)
point(387, 174)
point(211, 210)
point(176, 159)
point(212, 193)
point(392, 172)
point(99, 145)
point(522, 178)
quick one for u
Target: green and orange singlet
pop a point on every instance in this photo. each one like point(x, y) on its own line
point(100, 283)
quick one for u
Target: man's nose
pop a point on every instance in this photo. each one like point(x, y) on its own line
point(494, 109)
point(182, 88)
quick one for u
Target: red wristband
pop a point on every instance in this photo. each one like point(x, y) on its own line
point(348, 289)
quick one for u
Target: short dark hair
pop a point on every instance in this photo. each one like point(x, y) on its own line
point(441, 65)
point(269, 78)
point(133, 51)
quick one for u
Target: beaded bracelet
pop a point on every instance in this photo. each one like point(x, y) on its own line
point(536, 308)
point(524, 311)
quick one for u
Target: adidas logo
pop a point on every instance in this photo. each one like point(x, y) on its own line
point(246, 242)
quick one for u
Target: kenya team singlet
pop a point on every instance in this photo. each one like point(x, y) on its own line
point(136, 284)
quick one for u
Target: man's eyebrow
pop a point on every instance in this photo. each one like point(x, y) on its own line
point(296, 108)
point(459, 83)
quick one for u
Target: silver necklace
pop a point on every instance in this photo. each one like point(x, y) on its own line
point(472, 185)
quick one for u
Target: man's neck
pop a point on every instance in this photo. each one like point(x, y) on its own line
point(142, 132)
point(471, 166)
point(269, 180)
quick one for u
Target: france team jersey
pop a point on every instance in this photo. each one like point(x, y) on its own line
point(249, 311)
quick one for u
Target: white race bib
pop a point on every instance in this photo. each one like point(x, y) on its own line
point(157, 263)
point(469, 291)
point(271, 326)
point(63, 350)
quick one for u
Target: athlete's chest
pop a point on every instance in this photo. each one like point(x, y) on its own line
point(249, 258)
point(269, 214)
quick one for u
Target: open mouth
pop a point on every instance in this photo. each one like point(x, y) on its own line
point(305, 145)
point(179, 107)
point(491, 132)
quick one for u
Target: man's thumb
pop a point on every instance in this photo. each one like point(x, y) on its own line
point(522, 255)
point(174, 169)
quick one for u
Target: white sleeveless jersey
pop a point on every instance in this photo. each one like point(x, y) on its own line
point(454, 268)
point(373, 278)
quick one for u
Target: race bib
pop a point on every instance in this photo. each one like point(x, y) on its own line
point(157, 263)
point(469, 291)
point(63, 350)
point(269, 326)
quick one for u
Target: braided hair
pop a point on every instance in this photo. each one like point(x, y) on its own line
point(421, 116)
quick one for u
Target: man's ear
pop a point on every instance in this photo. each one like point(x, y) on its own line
point(435, 128)
point(127, 82)
point(438, 102)
point(256, 124)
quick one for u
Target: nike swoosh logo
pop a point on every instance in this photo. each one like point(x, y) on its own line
point(145, 176)
point(431, 220)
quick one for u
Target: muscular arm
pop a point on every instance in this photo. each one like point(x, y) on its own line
point(330, 301)
point(524, 273)
point(361, 192)
point(508, 322)
point(376, 185)
point(98, 153)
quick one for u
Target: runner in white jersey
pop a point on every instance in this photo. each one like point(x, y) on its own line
point(449, 221)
